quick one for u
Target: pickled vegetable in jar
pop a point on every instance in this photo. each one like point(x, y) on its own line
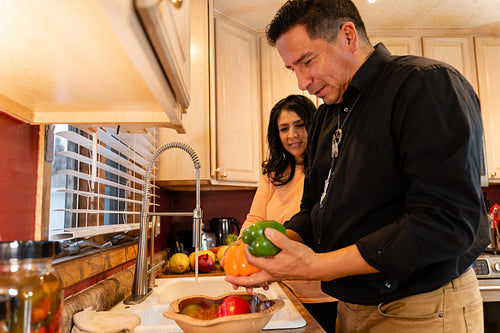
point(31, 293)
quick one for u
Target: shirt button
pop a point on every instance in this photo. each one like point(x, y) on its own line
point(318, 241)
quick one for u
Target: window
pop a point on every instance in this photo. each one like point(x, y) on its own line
point(97, 181)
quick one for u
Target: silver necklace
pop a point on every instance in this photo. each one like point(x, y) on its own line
point(336, 138)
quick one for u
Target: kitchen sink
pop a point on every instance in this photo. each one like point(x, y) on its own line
point(167, 290)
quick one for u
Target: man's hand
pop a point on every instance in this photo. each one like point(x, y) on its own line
point(292, 262)
point(296, 261)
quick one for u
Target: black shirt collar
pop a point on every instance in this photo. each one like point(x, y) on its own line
point(365, 77)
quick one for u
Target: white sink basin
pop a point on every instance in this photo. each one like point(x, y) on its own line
point(151, 310)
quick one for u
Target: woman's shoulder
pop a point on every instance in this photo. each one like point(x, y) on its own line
point(270, 177)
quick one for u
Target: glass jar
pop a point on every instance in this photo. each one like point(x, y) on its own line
point(31, 293)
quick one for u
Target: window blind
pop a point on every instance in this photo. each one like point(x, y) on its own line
point(97, 180)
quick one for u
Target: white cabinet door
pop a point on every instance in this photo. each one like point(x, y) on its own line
point(176, 168)
point(238, 140)
point(400, 45)
point(456, 51)
point(223, 123)
point(167, 25)
point(488, 69)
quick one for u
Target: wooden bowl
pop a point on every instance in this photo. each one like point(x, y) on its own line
point(242, 323)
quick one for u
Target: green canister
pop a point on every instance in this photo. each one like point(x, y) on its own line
point(31, 292)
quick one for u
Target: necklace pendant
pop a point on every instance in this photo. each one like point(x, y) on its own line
point(335, 149)
point(337, 137)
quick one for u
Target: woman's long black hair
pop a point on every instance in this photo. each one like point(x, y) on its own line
point(280, 164)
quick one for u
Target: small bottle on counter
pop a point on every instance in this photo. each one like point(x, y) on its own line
point(31, 292)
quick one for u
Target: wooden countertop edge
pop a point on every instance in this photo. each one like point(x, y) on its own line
point(312, 326)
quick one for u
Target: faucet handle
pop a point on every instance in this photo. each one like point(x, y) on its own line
point(152, 271)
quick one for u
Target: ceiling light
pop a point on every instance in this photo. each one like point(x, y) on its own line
point(371, 1)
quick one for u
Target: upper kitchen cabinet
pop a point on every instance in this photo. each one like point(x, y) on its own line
point(167, 24)
point(237, 140)
point(95, 61)
point(488, 69)
point(399, 45)
point(456, 51)
point(223, 121)
point(175, 167)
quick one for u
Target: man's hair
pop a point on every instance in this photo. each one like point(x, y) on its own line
point(321, 18)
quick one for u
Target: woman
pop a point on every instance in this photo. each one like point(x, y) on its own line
point(280, 190)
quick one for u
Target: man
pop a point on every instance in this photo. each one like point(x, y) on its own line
point(392, 212)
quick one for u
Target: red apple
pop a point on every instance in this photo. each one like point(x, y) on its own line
point(205, 263)
point(233, 305)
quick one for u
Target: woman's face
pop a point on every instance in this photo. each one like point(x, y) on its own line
point(293, 134)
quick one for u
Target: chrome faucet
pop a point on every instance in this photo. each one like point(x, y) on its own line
point(144, 278)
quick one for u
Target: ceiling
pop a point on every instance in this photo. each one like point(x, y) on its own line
point(383, 13)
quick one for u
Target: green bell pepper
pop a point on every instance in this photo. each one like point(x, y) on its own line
point(258, 244)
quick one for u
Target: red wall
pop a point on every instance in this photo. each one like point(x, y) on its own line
point(18, 175)
point(493, 194)
point(234, 204)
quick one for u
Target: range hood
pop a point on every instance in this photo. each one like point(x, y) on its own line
point(88, 61)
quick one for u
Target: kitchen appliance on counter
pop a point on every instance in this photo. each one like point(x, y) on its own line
point(487, 268)
point(208, 240)
point(222, 226)
point(487, 265)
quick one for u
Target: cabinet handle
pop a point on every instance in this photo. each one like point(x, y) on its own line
point(493, 174)
point(176, 3)
point(220, 174)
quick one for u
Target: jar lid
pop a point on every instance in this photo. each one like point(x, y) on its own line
point(29, 249)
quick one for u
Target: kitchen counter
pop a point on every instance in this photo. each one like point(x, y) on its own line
point(105, 294)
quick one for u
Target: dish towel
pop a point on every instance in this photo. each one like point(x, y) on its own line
point(89, 321)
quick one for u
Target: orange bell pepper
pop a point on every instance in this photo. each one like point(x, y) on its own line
point(236, 263)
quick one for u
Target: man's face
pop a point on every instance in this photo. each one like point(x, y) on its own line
point(323, 69)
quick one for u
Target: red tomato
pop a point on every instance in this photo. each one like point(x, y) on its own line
point(233, 305)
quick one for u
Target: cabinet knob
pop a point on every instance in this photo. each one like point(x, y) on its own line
point(493, 174)
point(176, 3)
point(219, 174)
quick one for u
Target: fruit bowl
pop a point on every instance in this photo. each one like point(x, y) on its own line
point(262, 310)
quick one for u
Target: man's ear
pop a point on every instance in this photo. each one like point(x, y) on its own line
point(348, 30)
